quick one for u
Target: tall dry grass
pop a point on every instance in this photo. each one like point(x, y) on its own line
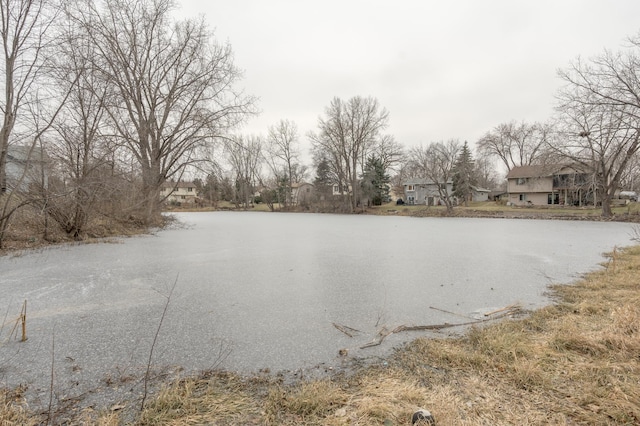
point(14, 409)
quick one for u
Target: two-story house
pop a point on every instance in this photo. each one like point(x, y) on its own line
point(425, 191)
point(178, 192)
point(550, 185)
point(301, 193)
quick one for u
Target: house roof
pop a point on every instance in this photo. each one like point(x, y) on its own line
point(26, 153)
point(544, 170)
point(479, 189)
point(530, 171)
point(300, 184)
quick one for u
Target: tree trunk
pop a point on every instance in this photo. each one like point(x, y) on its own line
point(151, 183)
point(3, 167)
point(606, 206)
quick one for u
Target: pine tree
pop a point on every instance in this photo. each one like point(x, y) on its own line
point(375, 181)
point(464, 175)
point(323, 182)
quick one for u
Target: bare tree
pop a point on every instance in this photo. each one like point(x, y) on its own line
point(82, 151)
point(600, 110)
point(345, 135)
point(631, 178)
point(486, 172)
point(28, 105)
point(390, 152)
point(282, 154)
point(23, 30)
point(599, 134)
point(244, 155)
point(436, 163)
point(516, 144)
point(174, 84)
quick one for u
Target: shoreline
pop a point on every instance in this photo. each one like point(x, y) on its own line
point(275, 379)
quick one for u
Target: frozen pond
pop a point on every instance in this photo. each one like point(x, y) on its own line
point(262, 291)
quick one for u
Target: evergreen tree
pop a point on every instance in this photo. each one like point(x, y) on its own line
point(464, 175)
point(375, 181)
point(323, 182)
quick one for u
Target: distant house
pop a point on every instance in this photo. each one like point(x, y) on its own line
point(425, 191)
point(25, 166)
point(550, 185)
point(178, 192)
point(301, 193)
point(337, 189)
point(479, 194)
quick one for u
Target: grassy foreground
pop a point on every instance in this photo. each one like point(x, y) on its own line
point(574, 362)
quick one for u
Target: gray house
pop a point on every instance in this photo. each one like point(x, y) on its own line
point(426, 192)
point(479, 194)
point(25, 166)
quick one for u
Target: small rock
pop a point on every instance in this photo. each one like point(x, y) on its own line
point(341, 412)
point(423, 417)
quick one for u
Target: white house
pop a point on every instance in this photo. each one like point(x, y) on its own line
point(178, 192)
point(301, 193)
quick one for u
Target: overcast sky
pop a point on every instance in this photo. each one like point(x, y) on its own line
point(443, 69)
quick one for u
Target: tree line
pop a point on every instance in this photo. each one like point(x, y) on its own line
point(117, 98)
point(594, 128)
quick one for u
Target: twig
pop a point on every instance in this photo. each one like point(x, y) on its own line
point(4, 320)
point(22, 319)
point(346, 330)
point(506, 308)
point(448, 325)
point(382, 334)
point(449, 312)
point(23, 316)
point(50, 419)
point(153, 344)
point(431, 326)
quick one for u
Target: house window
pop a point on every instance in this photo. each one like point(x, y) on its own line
point(410, 188)
point(336, 189)
point(553, 199)
point(523, 197)
point(189, 189)
point(521, 181)
point(184, 197)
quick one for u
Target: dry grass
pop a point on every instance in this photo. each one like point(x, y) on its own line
point(14, 409)
point(576, 362)
point(221, 399)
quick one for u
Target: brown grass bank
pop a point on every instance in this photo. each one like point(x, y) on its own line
point(576, 362)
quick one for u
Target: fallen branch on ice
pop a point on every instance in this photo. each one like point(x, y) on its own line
point(384, 332)
point(346, 330)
